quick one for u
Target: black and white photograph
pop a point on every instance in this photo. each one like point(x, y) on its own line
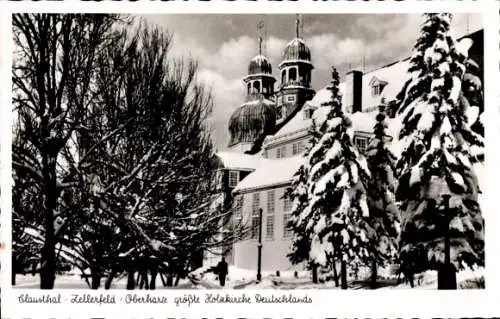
point(248, 151)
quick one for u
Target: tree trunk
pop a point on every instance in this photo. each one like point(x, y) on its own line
point(13, 278)
point(152, 284)
point(130, 280)
point(48, 269)
point(177, 280)
point(335, 273)
point(144, 275)
point(163, 281)
point(170, 279)
point(343, 274)
point(447, 276)
point(109, 280)
point(96, 280)
point(373, 281)
point(315, 273)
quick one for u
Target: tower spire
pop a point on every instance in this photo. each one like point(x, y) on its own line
point(260, 30)
point(297, 25)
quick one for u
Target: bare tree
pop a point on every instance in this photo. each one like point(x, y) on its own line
point(52, 74)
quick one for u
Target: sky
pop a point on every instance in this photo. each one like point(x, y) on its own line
point(223, 45)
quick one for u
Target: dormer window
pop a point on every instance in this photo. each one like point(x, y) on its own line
point(377, 85)
point(376, 90)
point(308, 113)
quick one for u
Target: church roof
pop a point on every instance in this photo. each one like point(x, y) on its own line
point(251, 120)
point(259, 65)
point(296, 51)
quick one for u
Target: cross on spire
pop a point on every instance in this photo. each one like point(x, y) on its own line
point(260, 31)
point(297, 25)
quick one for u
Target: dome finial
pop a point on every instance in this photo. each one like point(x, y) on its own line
point(297, 25)
point(260, 32)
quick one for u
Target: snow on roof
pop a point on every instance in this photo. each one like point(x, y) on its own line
point(394, 75)
point(271, 172)
point(259, 101)
point(241, 161)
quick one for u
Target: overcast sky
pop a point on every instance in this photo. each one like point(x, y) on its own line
point(224, 44)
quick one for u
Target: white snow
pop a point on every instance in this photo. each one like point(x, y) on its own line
point(458, 179)
point(241, 161)
point(463, 46)
point(426, 121)
point(271, 172)
point(415, 175)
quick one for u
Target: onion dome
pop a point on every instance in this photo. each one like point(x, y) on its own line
point(297, 50)
point(251, 120)
point(260, 65)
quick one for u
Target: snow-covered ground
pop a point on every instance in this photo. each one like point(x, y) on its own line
point(246, 279)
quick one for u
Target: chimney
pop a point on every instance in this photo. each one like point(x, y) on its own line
point(353, 91)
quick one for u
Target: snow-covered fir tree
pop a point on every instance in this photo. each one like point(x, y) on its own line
point(297, 193)
point(438, 188)
point(384, 214)
point(336, 205)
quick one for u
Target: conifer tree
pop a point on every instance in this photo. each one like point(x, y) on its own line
point(336, 204)
point(297, 193)
point(384, 215)
point(442, 226)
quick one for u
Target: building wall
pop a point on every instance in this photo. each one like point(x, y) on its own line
point(286, 147)
point(275, 249)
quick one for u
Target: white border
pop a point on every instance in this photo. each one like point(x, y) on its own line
point(331, 303)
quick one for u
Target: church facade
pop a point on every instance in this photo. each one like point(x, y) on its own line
point(269, 133)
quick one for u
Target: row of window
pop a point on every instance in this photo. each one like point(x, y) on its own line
point(255, 87)
point(297, 148)
point(303, 76)
point(268, 219)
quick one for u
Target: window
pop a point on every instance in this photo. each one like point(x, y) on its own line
point(249, 88)
point(256, 86)
point(287, 204)
point(292, 74)
point(287, 232)
point(238, 208)
point(270, 215)
point(296, 148)
point(280, 152)
point(238, 213)
point(233, 178)
point(377, 89)
point(361, 143)
point(308, 113)
point(283, 76)
point(270, 227)
point(290, 98)
point(254, 233)
point(218, 178)
point(270, 202)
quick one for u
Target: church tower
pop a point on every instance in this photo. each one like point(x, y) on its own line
point(295, 74)
point(257, 116)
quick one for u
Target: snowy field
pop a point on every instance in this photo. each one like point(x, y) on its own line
point(246, 279)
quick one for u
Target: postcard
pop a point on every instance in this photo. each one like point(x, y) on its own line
point(243, 159)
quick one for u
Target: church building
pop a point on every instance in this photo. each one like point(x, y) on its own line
point(269, 133)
